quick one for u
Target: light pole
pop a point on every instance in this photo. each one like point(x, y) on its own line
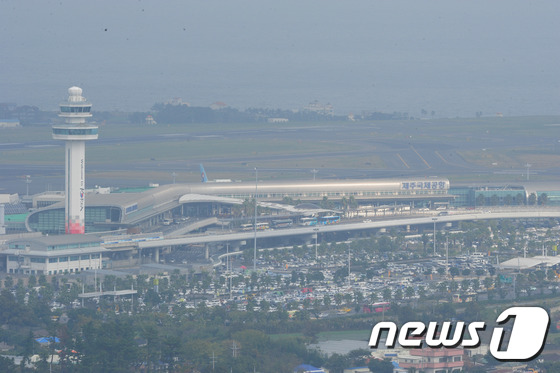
point(255, 221)
point(316, 234)
point(349, 252)
point(446, 257)
point(27, 182)
point(314, 172)
point(434, 219)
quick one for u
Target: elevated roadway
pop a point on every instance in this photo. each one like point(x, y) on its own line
point(521, 213)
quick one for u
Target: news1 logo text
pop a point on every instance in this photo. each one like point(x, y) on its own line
point(529, 328)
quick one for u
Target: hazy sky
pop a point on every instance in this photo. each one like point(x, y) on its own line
point(453, 57)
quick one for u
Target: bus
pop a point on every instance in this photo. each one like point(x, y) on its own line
point(381, 307)
point(330, 219)
point(282, 223)
point(308, 221)
point(249, 227)
point(262, 226)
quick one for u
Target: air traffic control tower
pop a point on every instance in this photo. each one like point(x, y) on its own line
point(75, 132)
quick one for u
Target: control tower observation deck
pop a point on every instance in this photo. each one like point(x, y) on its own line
point(75, 131)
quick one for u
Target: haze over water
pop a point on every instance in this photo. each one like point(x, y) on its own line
point(453, 57)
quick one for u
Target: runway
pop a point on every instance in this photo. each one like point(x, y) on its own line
point(372, 150)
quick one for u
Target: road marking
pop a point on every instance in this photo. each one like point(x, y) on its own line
point(441, 157)
point(423, 160)
point(402, 160)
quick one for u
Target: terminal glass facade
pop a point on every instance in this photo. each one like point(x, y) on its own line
point(96, 219)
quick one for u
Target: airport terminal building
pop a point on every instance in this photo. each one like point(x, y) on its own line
point(106, 212)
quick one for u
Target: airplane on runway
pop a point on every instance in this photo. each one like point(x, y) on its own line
point(203, 174)
point(204, 179)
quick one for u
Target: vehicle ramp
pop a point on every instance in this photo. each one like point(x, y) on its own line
point(192, 227)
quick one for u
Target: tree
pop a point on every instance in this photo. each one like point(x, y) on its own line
point(7, 364)
point(28, 348)
point(475, 284)
point(409, 292)
point(31, 281)
point(465, 283)
point(453, 272)
point(380, 366)
point(425, 241)
point(422, 292)
point(387, 294)
point(336, 363)
point(8, 282)
point(488, 282)
point(480, 200)
point(532, 199)
point(326, 204)
point(108, 347)
point(352, 203)
point(338, 299)
point(327, 301)
point(543, 199)
point(453, 286)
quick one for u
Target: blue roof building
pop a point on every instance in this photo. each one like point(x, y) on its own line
point(306, 368)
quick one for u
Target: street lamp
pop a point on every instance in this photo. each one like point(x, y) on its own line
point(27, 182)
point(434, 219)
point(314, 172)
point(316, 234)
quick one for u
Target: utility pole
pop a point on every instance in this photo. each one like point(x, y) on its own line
point(213, 360)
point(434, 219)
point(234, 349)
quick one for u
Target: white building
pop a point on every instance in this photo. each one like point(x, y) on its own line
point(51, 255)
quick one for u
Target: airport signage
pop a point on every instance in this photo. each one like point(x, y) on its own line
point(423, 185)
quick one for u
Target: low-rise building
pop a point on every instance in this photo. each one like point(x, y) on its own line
point(433, 360)
point(50, 255)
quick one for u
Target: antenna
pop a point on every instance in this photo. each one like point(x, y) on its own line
point(314, 172)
